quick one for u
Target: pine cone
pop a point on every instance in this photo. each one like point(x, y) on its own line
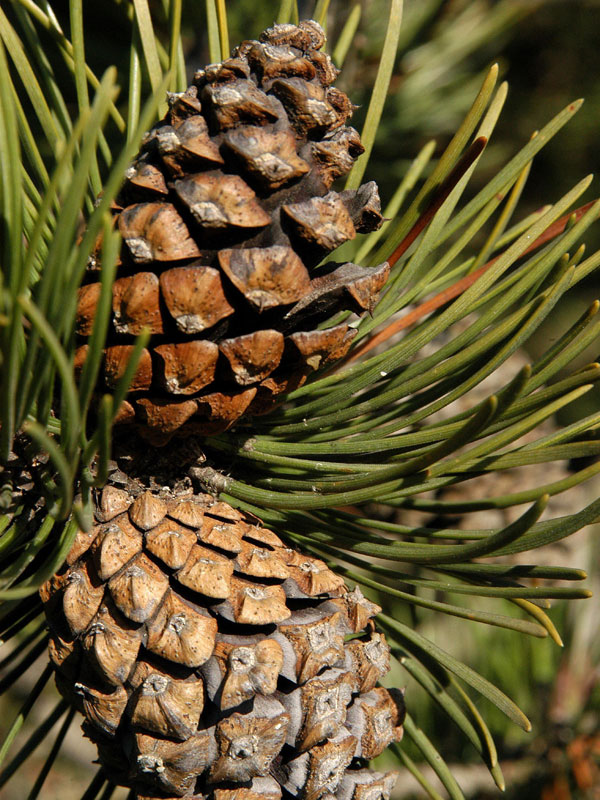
point(210, 660)
point(226, 215)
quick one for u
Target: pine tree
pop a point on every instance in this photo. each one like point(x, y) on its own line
point(168, 467)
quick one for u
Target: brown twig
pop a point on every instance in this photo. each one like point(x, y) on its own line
point(466, 161)
point(458, 288)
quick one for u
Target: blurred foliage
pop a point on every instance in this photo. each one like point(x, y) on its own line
point(551, 59)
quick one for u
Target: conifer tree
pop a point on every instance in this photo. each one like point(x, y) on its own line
point(236, 394)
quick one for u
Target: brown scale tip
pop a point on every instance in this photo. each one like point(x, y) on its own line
point(82, 597)
point(115, 544)
point(307, 35)
point(375, 718)
point(248, 744)
point(182, 633)
point(102, 709)
point(165, 705)
point(318, 708)
point(138, 589)
point(170, 543)
point(112, 645)
point(240, 671)
point(174, 766)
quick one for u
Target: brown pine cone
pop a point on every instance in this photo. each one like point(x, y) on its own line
point(226, 215)
point(211, 660)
